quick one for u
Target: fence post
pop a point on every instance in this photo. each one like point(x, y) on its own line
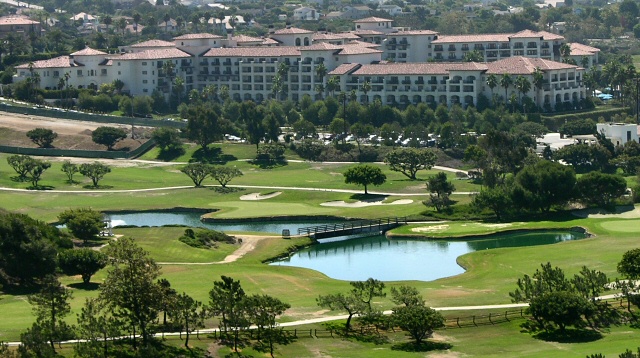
point(521, 312)
point(474, 321)
point(490, 318)
point(311, 333)
point(506, 317)
point(295, 332)
point(458, 322)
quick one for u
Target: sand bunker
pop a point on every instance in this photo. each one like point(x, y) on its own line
point(433, 228)
point(258, 196)
point(622, 212)
point(360, 204)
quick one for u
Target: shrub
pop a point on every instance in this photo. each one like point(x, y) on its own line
point(205, 239)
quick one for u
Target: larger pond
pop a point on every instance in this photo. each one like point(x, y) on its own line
point(157, 218)
point(398, 259)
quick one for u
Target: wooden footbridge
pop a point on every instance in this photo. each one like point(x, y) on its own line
point(372, 226)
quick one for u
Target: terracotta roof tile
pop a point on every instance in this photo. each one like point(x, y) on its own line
point(362, 43)
point(371, 19)
point(154, 43)
point(292, 30)
point(278, 51)
point(413, 33)
point(524, 65)
point(197, 36)
point(417, 68)
point(344, 69)
point(320, 46)
point(16, 20)
point(245, 38)
point(525, 34)
point(582, 50)
point(446, 39)
point(357, 50)
point(367, 32)
point(268, 41)
point(56, 62)
point(88, 51)
point(159, 54)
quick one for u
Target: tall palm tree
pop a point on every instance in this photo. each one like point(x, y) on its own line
point(333, 84)
point(523, 85)
point(283, 70)
point(320, 90)
point(168, 68)
point(122, 24)
point(107, 21)
point(565, 52)
point(166, 19)
point(366, 87)
point(195, 21)
point(505, 82)
point(492, 82)
point(207, 16)
point(321, 71)
point(136, 20)
point(538, 80)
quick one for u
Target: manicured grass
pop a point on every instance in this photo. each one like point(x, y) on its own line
point(228, 151)
point(465, 228)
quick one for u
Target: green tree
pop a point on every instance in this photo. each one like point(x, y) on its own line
point(108, 136)
point(364, 175)
point(130, 288)
point(94, 171)
point(188, 314)
point(600, 189)
point(21, 165)
point(43, 137)
point(223, 175)
point(263, 311)
point(409, 161)
point(84, 262)
point(167, 139)
point(343, 302)
point(203, 125)
point(492, 82)
point(197, 172)
point(505, 82)
point(406, 295)
point(69, 169)
point(418, 320)
point(440, 188)
point(548, 183)
point(95, 326)
point(50, 306)
point(226, 301)
point(559, 308)
point(473, 56)
point(367, 290)
point(629, 266)
point(35, 169)
point(498, 199)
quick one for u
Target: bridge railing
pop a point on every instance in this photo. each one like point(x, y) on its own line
point(355, 224)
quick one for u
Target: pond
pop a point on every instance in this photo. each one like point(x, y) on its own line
point(398, 259)
point(157, 218)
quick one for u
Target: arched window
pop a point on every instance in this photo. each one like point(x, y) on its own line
point(306, 41)
point(297, 42)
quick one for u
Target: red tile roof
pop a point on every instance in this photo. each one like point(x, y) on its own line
point(278, 51)
point(323, 36)
point(320, 46)
point(417, 68)
point(344, 69)
point(16, 20)
point(269, 41)
point(526, 34)
point(88, 51)
point(159, 54)
point(292, 30)
point(371, 19)
point(362, 43)
point(446, 39)
point(413, 33)
point(357, 50)
point(197, 36)
point(245, 38)
point(582, 50)
point(367, 32)
point(57, 62)
point(525, 65)
point(154, 43)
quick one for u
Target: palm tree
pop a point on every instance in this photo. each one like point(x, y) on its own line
point(366, 87)
point(276, 85)
point(321, 71)
point(168, 68)
point(283, 70)
point(565, 52)
point(136, 20)
point(207, 17)
point(166, 19)
point(333, 84)
point(492, 82)
point(122, 24)
point(195, 21)
point(320, 90)
point(538, 80)
point(179, 22)
point(107, 21)
point(523, 85)
point(505, 82)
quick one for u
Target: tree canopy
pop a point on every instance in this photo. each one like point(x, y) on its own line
point(364, 175)
point(409, 161)
point(108, 136)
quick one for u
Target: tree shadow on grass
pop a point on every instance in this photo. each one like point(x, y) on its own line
point(41, 187)
point(569, 335)
point(425, 346)
point(368, 197)
point(99, 187)
point(170, 154)
point(269, 164)
point(211, 156)
point(226, 190)
point(91, 286)
point(18, 179)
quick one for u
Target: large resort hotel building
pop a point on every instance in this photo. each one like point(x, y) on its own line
point(402, 66)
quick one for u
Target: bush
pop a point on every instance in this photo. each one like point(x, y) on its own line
point(205, 239)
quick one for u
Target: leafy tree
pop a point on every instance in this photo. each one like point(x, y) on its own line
point(418, 320)
point(629, 267)
point(21, 165)
point(440, 189)
point(343, 302)
point(585, 157)
point(473, 56)
point(548, 183)
point(223, 175)
point(168, 298)
point(304, 128)
point(95, 326)
point(188, 314)
point(85, 224)
point(505, 153)
point(69, 169)
point(43, 137)
point(600, 189)
point(50, 306)
point(505, 82)
point(406, 295)
point(167, 139)
point(364, 175)
point(409, 161)
point(559, 308)
point(25, 240)
point(226, 301)
point(263, 311)
point(197, 172)
point(108, 136)
point(252, 119)
point(580, 126)
point(35, 169)
point(498, 199)
point(204, 125)
point(367, 290)
point(130, 288)
point(33, 343)
point(548, 279)
point(84, 262)
point(95, 171)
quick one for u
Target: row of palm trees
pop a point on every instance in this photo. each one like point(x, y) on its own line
point(521, 83)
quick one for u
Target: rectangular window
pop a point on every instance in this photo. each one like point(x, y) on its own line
point(79, 73)
point(144, 81)
point(144, 72)
point(145, 90)
point(144, 64)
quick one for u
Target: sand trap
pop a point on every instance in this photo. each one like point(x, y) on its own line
point(258, 196)
point(622, 212)
point(433, 228)
point(361, 204)
point(497, 226)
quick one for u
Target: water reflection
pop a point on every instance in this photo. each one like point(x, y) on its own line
point(395, 260)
